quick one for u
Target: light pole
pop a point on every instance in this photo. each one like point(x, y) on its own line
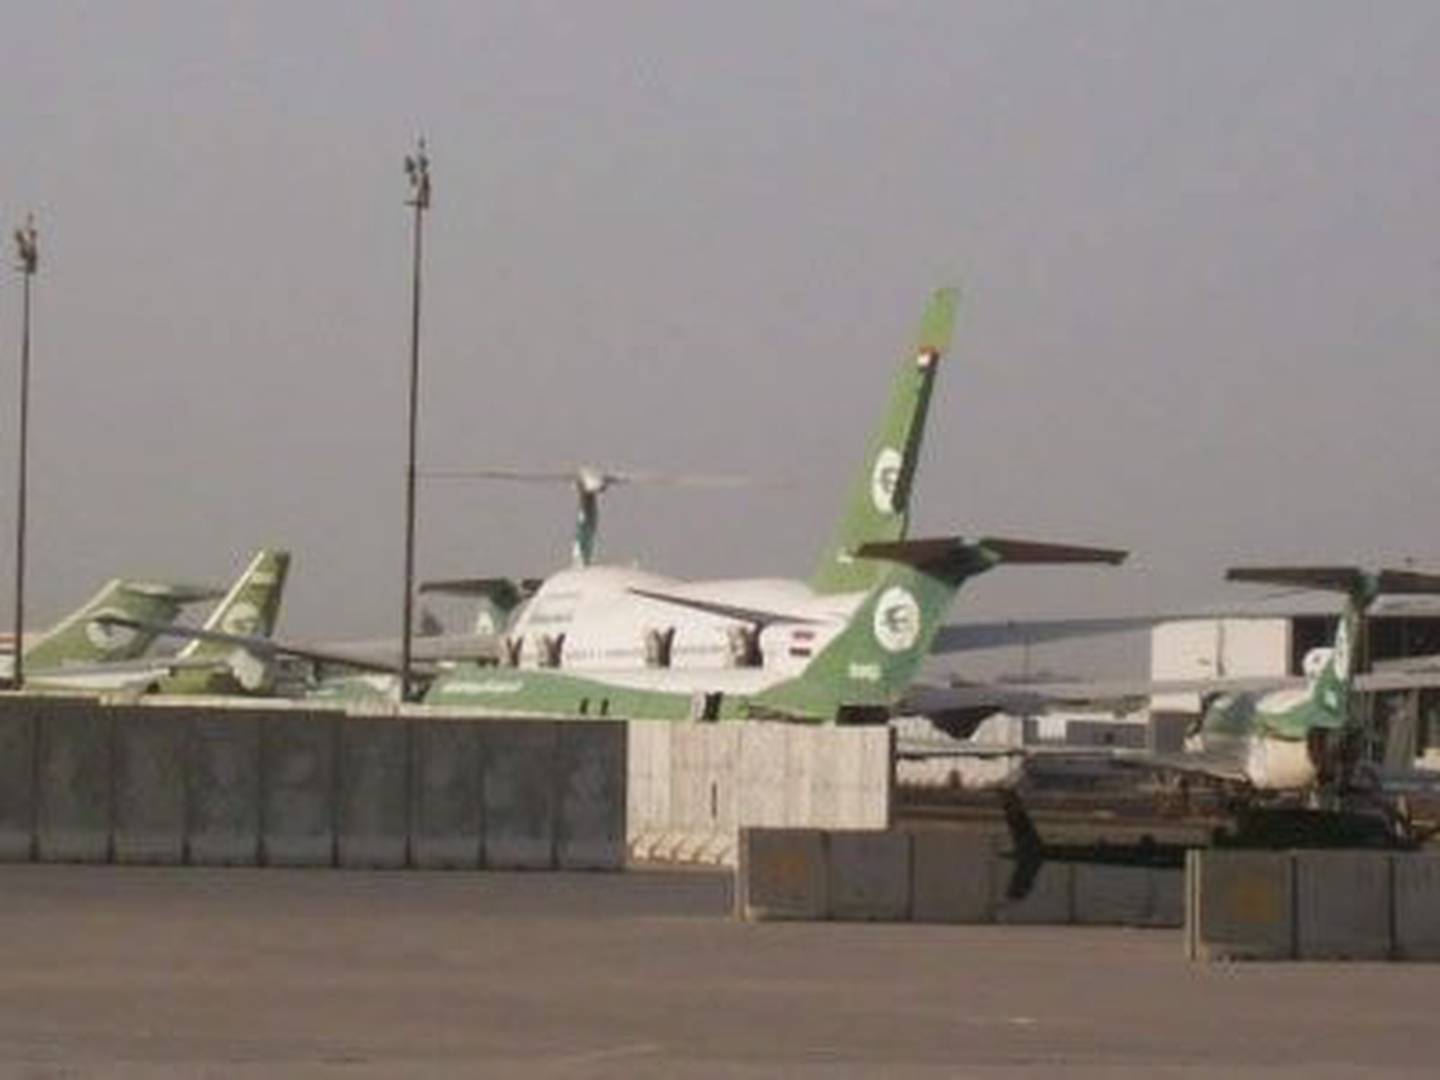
point(417, 168)
point(27, 261)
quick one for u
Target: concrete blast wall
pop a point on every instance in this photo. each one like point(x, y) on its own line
point(219, 783)
point(936, 875)
point(694, 786)
point(1312, 905)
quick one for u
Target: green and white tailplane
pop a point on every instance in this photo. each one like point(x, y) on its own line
point(865, 669)
point(598, 640)
point(878, 506)
point(1290, 739)
point(250, 610)
point(83, 637)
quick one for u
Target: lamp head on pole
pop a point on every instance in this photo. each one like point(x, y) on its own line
point(27, 247)
point(417, 168)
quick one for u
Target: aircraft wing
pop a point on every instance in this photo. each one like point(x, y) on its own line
point(1199, 765)
point(924, 698)
point(382, 655)
point(1397, 679)
point(970, 636)
point(428, 648)
point(755, 616)
point(1405, 781)
point(259, 646)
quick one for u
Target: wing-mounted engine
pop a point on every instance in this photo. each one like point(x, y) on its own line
point(514, 646)
point(549, 650)
point(659, 646)
point(252, 673)
point(744, 645)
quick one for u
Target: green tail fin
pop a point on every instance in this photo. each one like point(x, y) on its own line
point(250, 608)
point(879, 503)
point(1332, 685)
point(877, 656)
point(79, 639)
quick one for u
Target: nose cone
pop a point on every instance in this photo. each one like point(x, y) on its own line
point(1280, 764)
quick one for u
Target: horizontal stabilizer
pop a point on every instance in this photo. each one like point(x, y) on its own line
point(175, 593)
point(258, 646)
point(1029, 551)
point(991, 549)
point(1344, 579)
point(1408, 583)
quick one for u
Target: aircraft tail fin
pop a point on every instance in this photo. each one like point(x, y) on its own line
point(250, 608)
point(879, 502)
point(866, 667)
point(498, 598)
point(1333, 673)
point(81, 638)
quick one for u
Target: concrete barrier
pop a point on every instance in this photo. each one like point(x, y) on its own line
point(1118, 895)
point(694, 786)
point(297, 789)
point(448, 799)
point(223, 826)
point(952, 878)
point(782, 874)
point(1416, 885)
point(150, 785)
point(762, 786)
point(868, 875)
point(647, 800)
point(1168, 898)
point(519, 766)
point(75, 774)
point(938, 875)
point(1240, 905)
point(17, 784)
point(212, 782)
point(590, 825)
point(1342, 905)
point(1050, 902)
point(373, 823)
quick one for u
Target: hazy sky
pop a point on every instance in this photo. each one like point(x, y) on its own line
point(1198, 243)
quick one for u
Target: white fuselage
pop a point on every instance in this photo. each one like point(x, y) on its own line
point(608, 628)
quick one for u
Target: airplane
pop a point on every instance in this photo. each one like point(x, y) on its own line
point(86, 638)
point(128, 616)
point(1297, 738)
point(250, 608)
point(1262, 737)
point(845, 646)
point(601, 640)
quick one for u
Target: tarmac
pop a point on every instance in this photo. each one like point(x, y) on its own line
point(128, 971)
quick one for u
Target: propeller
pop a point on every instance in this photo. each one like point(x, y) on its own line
point(589, 482)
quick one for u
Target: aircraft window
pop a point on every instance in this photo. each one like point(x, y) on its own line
point(584, 706)
point(604, 706)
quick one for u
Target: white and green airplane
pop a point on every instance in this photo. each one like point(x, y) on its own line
point(845, 646)
point(84, 639)
point(1294, 739)
point(595, 640)
point(101, 647)
point(1258, 736)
